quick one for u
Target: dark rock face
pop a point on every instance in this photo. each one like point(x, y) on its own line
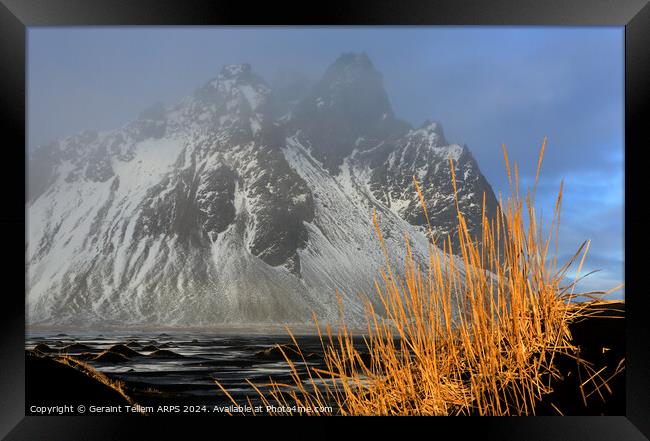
point(425, 154)
point(215, 199)
point(348, 103)
point(286, 202)
point(349, 110)
point(164, 213)
point(99, 167)
point(196, 202)
point(150, 124)
point(195, 206)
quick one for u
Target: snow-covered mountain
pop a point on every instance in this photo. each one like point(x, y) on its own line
point(237, 206)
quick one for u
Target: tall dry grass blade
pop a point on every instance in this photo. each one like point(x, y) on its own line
point(477, 333)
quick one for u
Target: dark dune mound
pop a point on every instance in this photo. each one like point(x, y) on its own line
point(134, 345)
point(61, 335)
point(164, 353)
point(43, 348)
point(149, 348)
point(124, 350)
point(110, 357)
point(85, 356)
point(51, 382)
point(76, 347)
point(291, 351)
point(601, 341)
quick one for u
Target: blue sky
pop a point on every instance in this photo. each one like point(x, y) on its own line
point(485, 85)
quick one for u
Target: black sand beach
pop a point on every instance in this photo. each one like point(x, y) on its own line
point(174, 369)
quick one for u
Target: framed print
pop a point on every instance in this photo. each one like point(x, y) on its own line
point(424, 210)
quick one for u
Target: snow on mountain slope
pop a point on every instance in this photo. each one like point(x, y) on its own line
point(343, 251)
point(227, 209)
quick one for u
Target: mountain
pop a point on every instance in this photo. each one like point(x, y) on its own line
point(238, 205)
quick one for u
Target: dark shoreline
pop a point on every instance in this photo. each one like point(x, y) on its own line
point(601, 340)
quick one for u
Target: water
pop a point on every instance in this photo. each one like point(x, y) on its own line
point(202, 360)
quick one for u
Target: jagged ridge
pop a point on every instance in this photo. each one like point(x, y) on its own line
point(234, 207)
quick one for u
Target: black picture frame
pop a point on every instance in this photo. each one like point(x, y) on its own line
point(17, 15)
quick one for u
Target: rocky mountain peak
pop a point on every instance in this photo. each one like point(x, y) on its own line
point(352, 85)
point(433, 131)
point(235, 86)
point(349, 102)
point(431, 126)
point(235, 70)
point(350, 68)
point(226, 208)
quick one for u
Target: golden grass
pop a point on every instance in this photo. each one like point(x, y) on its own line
point(474, 333)
point(93, 373)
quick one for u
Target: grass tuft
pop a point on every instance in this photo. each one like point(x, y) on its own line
point(474, 332)
point(93, 373)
